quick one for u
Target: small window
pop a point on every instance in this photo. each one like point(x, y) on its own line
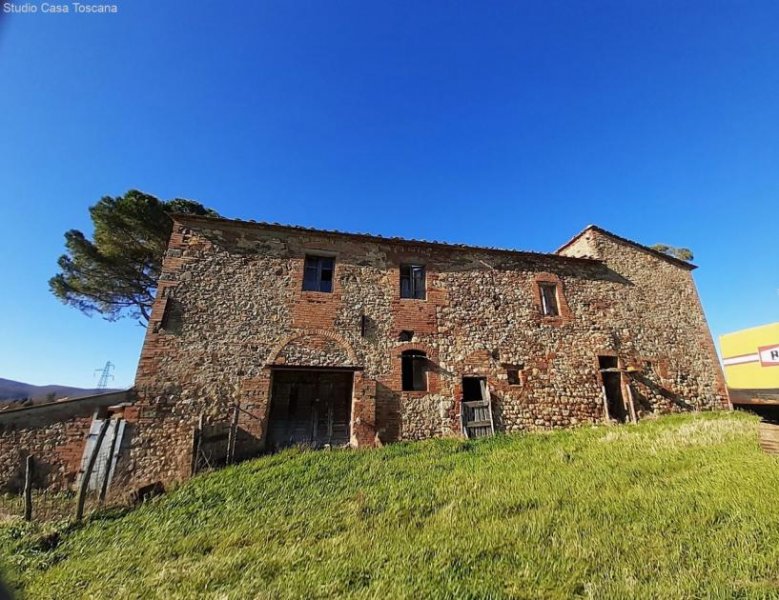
point(414, 371)
point(171, 316)
point(513, 376)
point(318, 273)
point(549, 299)
point(412, 281)
point(406, 336)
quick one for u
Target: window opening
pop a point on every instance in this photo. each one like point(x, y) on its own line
point(549, 299)
point(412, 281)
point(414, 371)
point(318, 273)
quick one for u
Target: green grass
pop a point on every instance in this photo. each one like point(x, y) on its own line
point(685, 506)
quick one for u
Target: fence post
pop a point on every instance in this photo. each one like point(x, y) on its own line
point(28, 474)
point(82, 489)
point(231, 436)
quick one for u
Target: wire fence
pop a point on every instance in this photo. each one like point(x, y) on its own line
point(44, 505)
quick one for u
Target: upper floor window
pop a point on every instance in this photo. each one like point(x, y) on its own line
point(318, 273)
point(172, 316)
point(412, 281)
point(549, 305)
point(414, 371)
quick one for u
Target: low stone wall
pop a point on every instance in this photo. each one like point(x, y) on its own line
point(54, 434)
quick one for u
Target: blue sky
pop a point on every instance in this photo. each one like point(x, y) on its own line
point(510, 124)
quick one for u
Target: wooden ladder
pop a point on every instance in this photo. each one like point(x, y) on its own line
point(477, 415)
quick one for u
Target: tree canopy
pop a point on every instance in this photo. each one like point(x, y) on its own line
point(116, 273)
point(680, 253)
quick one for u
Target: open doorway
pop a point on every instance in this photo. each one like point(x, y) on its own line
point(611, 377)
point(477, 408)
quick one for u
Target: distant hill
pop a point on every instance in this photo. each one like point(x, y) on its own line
point(15, 391)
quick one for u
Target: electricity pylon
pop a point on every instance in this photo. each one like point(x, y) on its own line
point(105, 375)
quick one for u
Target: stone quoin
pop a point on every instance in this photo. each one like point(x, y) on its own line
point(332, 338)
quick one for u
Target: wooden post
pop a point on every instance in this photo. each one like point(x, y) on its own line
point(231, 435)
point(107, 471)
point(84, 487)
point(198, 438)
point(605, 404)
point(486, 396)
point(632, 405)
point(28, 473)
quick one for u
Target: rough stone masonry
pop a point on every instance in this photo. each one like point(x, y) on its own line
point(412, 324)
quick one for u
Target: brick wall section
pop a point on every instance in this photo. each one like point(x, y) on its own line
point(57, 448)
point(239, 285)
point(54, 434)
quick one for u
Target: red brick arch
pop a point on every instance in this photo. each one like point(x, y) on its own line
point(340, 340)
point(428, 350)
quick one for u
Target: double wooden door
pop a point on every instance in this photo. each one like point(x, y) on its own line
point(310, 408)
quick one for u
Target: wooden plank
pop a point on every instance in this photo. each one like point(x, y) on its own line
point(479, 423)
point(756, 401)
point(233, 431)
point(82, 491)
point(118, 437)
point(198, 437)
point(768, 437)
point(28, 473)
point(107, 463)
point(631, 404)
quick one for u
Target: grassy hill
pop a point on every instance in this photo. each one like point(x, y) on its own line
point(685, 506)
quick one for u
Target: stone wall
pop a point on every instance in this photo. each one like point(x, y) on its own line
point(54, 434)
point(56, 447)
point(239, 290)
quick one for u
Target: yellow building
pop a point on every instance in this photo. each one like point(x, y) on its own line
point(751, 361)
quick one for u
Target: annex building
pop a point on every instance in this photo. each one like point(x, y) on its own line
point(265, 335)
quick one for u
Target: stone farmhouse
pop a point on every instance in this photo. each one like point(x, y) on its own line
point(265, 335)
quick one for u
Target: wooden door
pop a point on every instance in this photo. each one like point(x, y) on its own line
point(310, 408)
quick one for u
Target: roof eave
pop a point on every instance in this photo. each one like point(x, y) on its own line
point(189, 219)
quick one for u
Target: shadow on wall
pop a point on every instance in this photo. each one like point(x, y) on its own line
point(218, 444)
point(43, 473)
point(387, 414)
point(646, 404)
point(497, 411)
